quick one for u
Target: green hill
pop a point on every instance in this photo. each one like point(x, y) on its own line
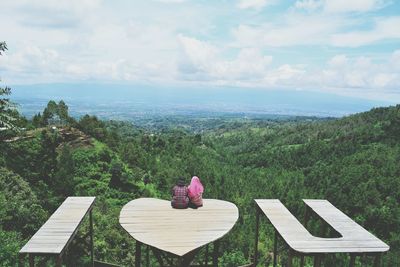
point(353, 162)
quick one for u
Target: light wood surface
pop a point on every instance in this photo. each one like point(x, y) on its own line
point(354, 238)
point(60, 228)
point(178, 231)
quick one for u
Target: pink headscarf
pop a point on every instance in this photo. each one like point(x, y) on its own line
point(195, 187)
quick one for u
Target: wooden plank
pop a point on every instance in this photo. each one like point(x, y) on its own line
point(352, 233)
point(354, 238)
point(178, 231)
point(60, 228)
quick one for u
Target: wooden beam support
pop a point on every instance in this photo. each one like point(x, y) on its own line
point(290, 258)
point(59, 261)
point(147, 256)
point(301, 260)
point(158, 256)
point(188, 258)
point(256, 237)
point(352, 260)
point(377, 260)
point(138, 253)
point(91, 238)
point(31, 260)
point(206, 257)
point(21, 260)
point(317, 260)
point(170, 260)
point(215, 253)
point(275, 247)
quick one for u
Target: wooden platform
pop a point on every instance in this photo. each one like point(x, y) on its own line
point(178, 231)
point(355, 238)
point(58, 231)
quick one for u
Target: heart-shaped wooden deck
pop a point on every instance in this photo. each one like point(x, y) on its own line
point(178, 231)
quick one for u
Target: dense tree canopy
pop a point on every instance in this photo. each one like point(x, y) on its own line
point(353, 162)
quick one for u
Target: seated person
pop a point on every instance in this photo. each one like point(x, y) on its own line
point(195, 192)
point(180, 198)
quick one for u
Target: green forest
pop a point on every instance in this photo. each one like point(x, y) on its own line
point(354, 162)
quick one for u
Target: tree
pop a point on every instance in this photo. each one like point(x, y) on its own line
point(3, 47)
point(116, 174)
point(49, 112)
point(64, 176)
point(37, 120)
point(49, 143)
point(7, 108)
point(62, 111)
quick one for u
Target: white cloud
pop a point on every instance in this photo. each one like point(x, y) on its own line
point(256, 4)
point(384, 28)
point(308, 4)
point(203, 61)
point(284, 75)
point(342, 6)
point(395, 60)
point(31, 58)
point(338, 61)
point(360, 72)
point(52, 14)
point(383, 79)
point(249, 65)
point(317, 29)
point(198, 55)
point(75, 40)
point(32, 64)
point(356, 76)
point(171, 1)
point(294, 29)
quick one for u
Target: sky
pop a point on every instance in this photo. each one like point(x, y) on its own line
point(344, 47)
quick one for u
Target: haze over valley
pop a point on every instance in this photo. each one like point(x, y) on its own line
point(136, 102)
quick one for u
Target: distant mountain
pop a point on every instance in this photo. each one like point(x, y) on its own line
point(115, 101)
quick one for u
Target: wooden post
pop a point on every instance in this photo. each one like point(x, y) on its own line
point(158, 256)
point(301, 260)
point(31, 260)
point(352, 260)
point(21, 260)
point(377, 260)
point(206, 257)
point(186, 261)
point(58, 261)
point(147, 256)
point(290, 258)
point(215, 253)
point(275, 247)
point(169, 260)
point(138, 253)
point(91, 239)
point(256, 237)
point(317, 261)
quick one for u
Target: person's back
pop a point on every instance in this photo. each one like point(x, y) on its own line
point(180, 199)
point(195, 192)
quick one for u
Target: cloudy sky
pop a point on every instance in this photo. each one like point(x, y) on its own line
point(348, 47)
